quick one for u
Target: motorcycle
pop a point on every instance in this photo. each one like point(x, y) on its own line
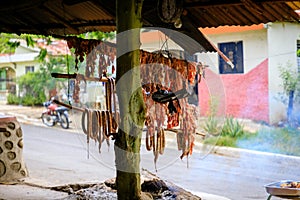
point(55, 114)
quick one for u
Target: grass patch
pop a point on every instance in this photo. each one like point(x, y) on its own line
point(268, 139)
point(211, 125)
point(230, 132)
point(228, 141)
point(275, 140)
point(221, 141)
point(232, 128)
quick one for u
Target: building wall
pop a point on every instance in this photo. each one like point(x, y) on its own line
point(282, 41)
point(255, 48)
point(270, 46)
point(237, 95)
point(24, 49)
point(19, 67)
point(17, 63)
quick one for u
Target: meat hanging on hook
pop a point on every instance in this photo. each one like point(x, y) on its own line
point(168, 87)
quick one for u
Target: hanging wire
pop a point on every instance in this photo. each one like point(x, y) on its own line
point(165, 47)
point(165, 42)
point(68, 72)
point(67, 58)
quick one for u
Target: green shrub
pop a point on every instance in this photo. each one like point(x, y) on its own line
point(211, 125)
point(29, 100)
point(232, 128)
point(13, 99)
point(231, 131)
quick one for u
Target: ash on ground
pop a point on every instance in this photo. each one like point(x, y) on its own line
point(152, 188)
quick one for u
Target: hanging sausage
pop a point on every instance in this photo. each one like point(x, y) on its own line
point(158, 73)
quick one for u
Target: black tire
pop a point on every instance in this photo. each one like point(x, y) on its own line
point(48, 120)
point(64, 120)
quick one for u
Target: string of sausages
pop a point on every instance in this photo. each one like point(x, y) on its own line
point(99, 125)
point(156, 143)
point(155, 137)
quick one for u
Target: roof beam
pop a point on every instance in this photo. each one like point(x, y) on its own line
point(252, 6)
point(13, 5)
point(96, 23)
point(72, 2)
point(64, 22)
point(218, 3)
point(107, 6)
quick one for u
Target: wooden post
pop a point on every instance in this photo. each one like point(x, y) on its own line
point(131, 104)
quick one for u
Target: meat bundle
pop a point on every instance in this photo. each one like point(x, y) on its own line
point(164, 80)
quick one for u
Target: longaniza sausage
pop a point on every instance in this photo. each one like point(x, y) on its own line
point(95, 125)
point(109, 122)
point(99, 137)
point(162, 141)
point(104, 128)
point(148, 143)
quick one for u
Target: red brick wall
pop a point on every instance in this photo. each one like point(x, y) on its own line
point(239, 95)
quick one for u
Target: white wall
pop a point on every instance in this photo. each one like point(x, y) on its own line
point(20, 67)
point(19, 61)
point(254, 48)
point(282, 41)
point(23, 49)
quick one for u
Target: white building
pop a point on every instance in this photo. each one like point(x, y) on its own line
point(23, 61)
point(15, 65)
point(253, 87)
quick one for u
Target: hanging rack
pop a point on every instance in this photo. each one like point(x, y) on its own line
point(68, 106)
point(73, 76)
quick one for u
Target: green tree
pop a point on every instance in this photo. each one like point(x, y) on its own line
point(9, 42)
point(290, 78)
point(98, 35)
point(7, 46)
point(33, 85)
point(33, 89)
point(56, 64)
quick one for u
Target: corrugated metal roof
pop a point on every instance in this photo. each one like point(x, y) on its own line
point(62, 17)
point(54, 17)
point(242, 12)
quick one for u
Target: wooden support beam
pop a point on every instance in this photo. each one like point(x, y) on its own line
point(73, 76)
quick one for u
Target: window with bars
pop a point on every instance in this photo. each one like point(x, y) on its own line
point(234, 51)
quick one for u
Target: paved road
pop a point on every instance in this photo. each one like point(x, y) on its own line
point(56, 157)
